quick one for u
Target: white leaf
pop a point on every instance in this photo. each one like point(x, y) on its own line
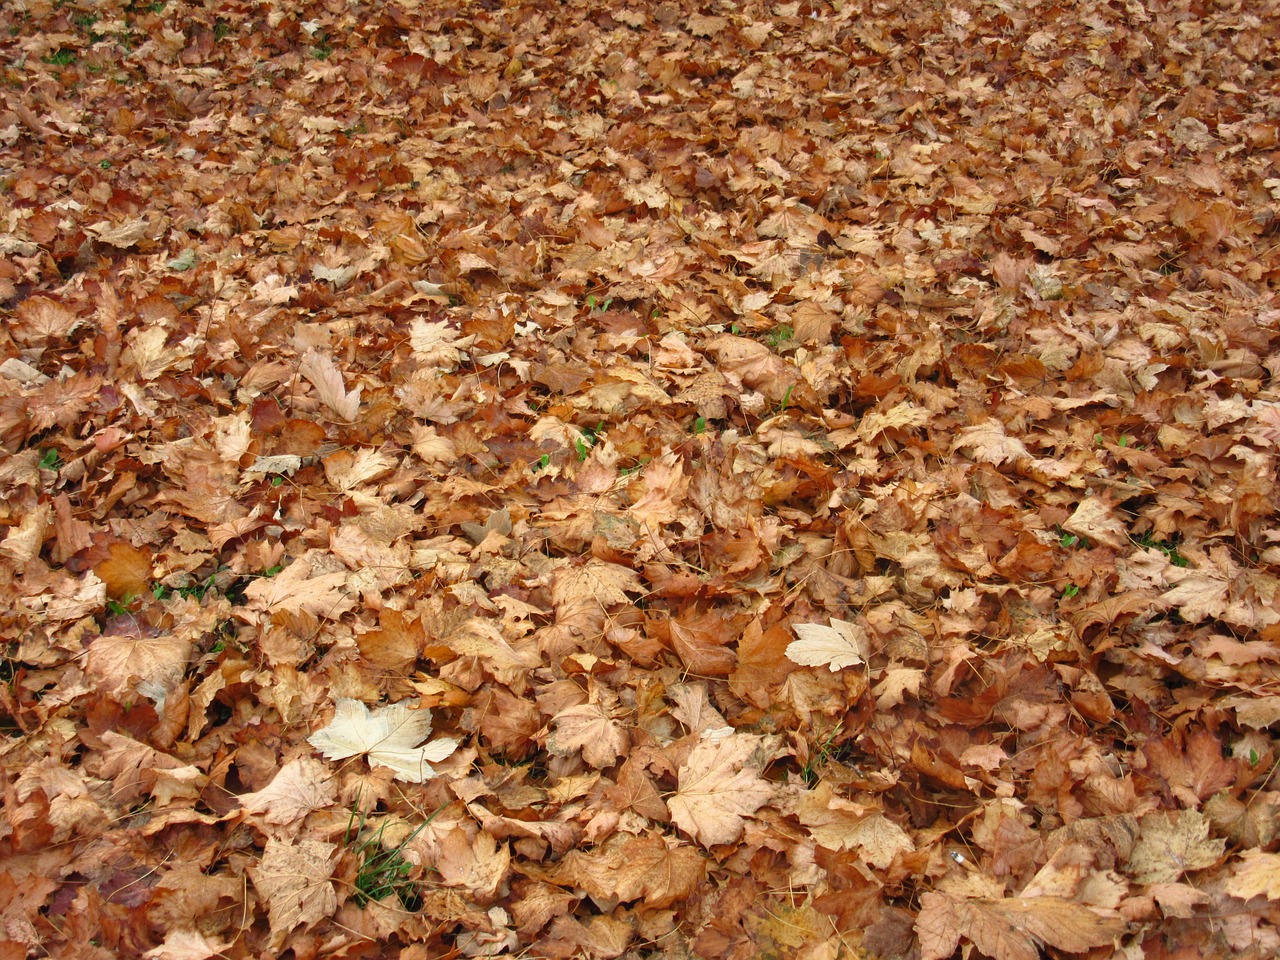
point(390, 736)
point(843, 644)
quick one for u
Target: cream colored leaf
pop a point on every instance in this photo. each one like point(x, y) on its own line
point(301, 786)
point(1258, 874)
point(719, 786)
point(324, 375)
point(390, 736)
point(843, 644)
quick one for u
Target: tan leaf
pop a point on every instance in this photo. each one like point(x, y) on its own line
point(477, 864)
point(42, 319)
point(991, 444)
point(1095, 518)
point(1257, 874)
point(897, 683)
point(1169, 847)
point(187, 945)
point(117, 662)
point(295, 590)
point(348, 469)
point(327, 380)
point(1010, 929)
point(588, 728)
point(126, 571)
point(606, 583)
point(25, 541)
point(301, 786)
point(123, 234)
point(719, 786)
point(148, 353)
point(628, 868)
point(294, 880)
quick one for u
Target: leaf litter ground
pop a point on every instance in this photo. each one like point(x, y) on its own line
point(815, 463)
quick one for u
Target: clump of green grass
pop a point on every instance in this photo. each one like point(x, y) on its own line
point(382, 871)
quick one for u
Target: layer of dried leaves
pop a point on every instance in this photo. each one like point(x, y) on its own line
point(816, 463)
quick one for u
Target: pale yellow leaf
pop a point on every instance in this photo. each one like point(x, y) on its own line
point(389, 736)
point(842, 644)
point(1257, 874)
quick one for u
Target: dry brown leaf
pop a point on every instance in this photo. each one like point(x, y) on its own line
point(295, 881)
point(302, 786)
point(588, 728)
point(1168, 847)
point(1010, 929)
point(719, 786)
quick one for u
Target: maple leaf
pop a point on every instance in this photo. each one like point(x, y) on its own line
point(186, 945)
point(1095, 518)
point(589, 728)
point(1258, 874)
point(325, 376)
point(295, 590)
point(476, 863)
point(1169, 847)
point(606, 583)
point(301, 786)
point(1010, 929)
point(295, 881)
point(390, 736)
point(991, 444)
point(720, 786)
point(843, 644)
point(840, 824)
point(156, 664)
point(627, 868)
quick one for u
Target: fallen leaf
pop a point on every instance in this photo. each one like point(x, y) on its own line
point(843, 644)
point(295, 881)
point(719, 786)
point(390, 736)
